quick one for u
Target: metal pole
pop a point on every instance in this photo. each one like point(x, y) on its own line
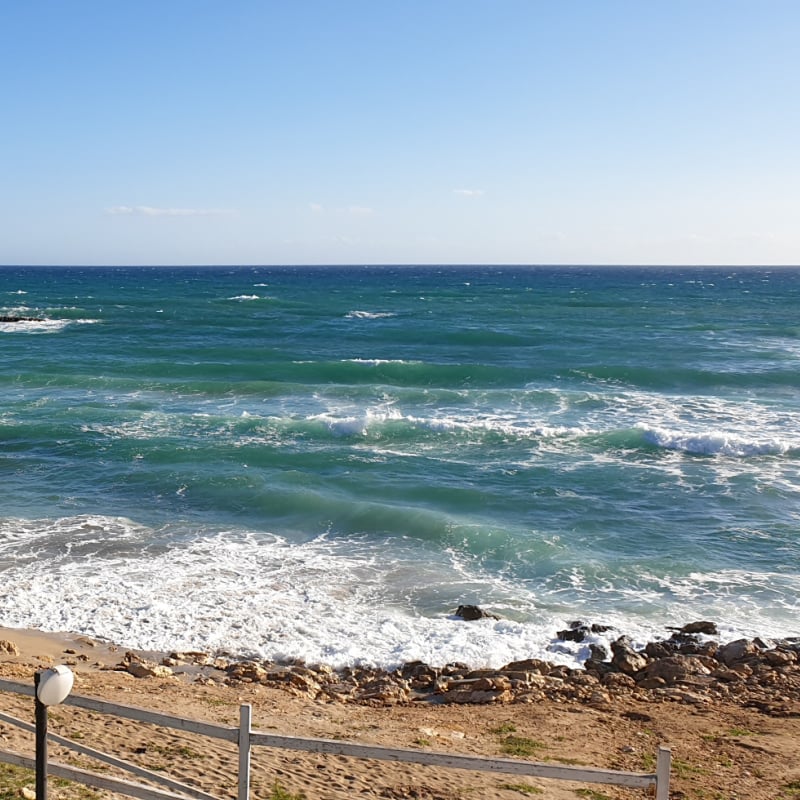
point(41, 742)
point(245, 728)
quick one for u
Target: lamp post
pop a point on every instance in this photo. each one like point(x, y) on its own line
point(52, 687)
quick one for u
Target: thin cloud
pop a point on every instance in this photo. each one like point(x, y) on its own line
point(468, 192)
point(359, 211)
point(151, 211)
point(350, 211)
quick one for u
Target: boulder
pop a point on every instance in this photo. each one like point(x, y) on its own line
point(702, 626)
point(618, 680)
point(779, 658)
point(8, 648)
point(732, 652)
point(470, 613)
point(625, 658)
point(247, 672)
point(386, 692)
point(140, 668)
point(528, 665)
point(675, 669)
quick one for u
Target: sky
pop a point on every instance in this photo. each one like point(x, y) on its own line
point(378, 132)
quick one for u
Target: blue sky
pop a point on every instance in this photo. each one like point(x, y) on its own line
point(444, 131)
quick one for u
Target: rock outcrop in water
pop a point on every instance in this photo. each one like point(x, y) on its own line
point(471, 613)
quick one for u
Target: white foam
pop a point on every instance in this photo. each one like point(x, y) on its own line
point(369, 314)
point(339, 601)
point(245, 297)
point(35, 326)
point(376, 362)
point(716, 442)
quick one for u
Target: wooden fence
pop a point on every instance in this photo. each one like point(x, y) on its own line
point(246, 738)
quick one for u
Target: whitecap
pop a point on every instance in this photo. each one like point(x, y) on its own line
point(369, 314)
point(35, 326)
point(714, 442)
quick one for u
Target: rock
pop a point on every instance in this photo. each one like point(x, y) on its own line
point(470, 613)
point(528, 665)
point(723, 673)
point(305, 684)
point(468, 696)
point(572, 634)
point(779, 658)
point(141, 668)
point(599, 698)
point(652, 683)
point(704, 627)
point(660, 649)
point(618, 680)
point(247, 672)
point(578, 631)
point(383, 691)
point(675, 669)
point(625, 658)
point(499, 683)
point(732, 652)
point(8, 648)
point(598, 652)
point(683, 696)
point(191, 657)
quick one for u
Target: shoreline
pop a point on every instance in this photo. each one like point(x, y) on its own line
point(690, 666)
point(739, 743)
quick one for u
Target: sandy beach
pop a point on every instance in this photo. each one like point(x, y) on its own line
point(721, 749)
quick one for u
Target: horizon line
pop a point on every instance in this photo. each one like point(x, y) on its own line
point(335, 265)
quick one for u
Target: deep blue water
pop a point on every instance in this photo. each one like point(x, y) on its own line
point(325, 462)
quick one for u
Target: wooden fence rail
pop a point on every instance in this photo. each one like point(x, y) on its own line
point(246, 739)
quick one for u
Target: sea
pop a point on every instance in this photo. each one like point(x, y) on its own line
point(323, 463)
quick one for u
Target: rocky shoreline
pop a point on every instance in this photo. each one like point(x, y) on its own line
point(689, 667)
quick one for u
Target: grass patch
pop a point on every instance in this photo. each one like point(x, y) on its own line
point(648, 762)
point(182, 750)
point(741, 732)
point(592, 794)
point(735, 731)
point(422, 742)
point(13, 780)
point(506, 727)
point(523, 788)
point(279, 793)
point(521, 746)
point(683, 768)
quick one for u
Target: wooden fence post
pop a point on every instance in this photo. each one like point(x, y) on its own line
point(663, 765)
point(245, 728)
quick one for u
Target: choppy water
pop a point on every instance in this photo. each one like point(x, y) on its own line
point(325, 462)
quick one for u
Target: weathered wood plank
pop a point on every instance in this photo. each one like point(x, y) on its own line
point(17, 688)
point(120, 763)
point(95, 781)
point(229, 734)
point(477, 763)
point(225, 732)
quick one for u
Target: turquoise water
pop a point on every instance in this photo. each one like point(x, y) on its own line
point(325, 462)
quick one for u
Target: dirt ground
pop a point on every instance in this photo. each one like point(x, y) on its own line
point(720, 751)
